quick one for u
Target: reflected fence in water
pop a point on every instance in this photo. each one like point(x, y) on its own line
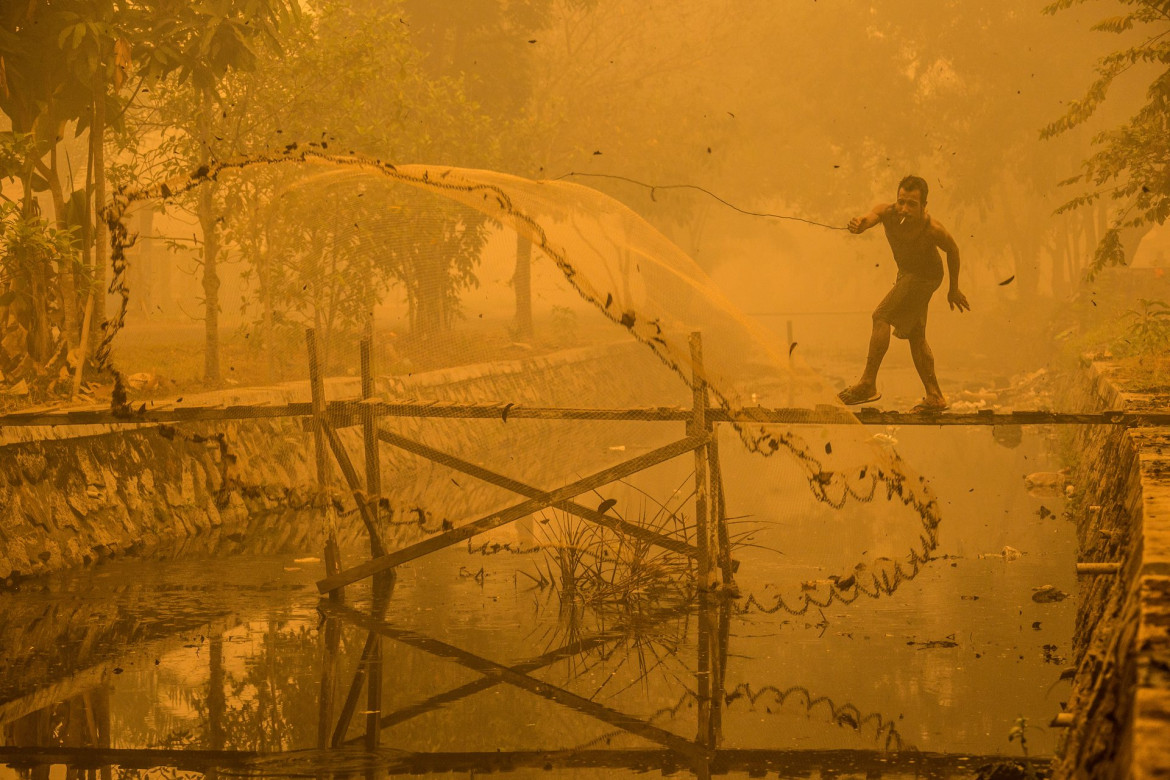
point(76, 732)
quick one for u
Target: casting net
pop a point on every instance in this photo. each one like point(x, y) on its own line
point(428, 261)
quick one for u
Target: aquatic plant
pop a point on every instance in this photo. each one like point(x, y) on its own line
point(603, 569)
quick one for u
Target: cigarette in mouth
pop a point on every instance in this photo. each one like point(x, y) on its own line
point(901, 219)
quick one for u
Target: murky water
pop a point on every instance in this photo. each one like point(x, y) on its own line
point(232, 665)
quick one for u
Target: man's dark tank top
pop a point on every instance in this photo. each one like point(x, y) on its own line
point(915, 253)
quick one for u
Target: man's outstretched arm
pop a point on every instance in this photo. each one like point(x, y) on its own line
point(955, 297)
point(872, 219)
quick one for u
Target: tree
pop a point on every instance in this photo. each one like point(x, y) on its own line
point(1130, 164)
point(489, 43)
point(188, 50)
point(59, 65)
point(66, 63)
point(321, 249)
point(30, 250)
point(558, 77)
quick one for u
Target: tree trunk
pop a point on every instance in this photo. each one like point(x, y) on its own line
point(1063, 246)
point(38, 335)
point(429, 297)
point(101, 252)
point(210, 285)
point(91, 293)
point(268, 331)
point(1027, 271)
point(147, 263)
point(206, 209)
point(65, 271)
point(1025, 250)
point(522, 282)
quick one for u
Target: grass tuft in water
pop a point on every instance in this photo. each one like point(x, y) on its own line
point(605, 570)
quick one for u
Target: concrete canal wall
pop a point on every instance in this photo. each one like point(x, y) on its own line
point(1120, 702)
point(70, 496)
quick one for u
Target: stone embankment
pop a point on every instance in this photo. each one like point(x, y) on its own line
point(1119, 709)
point(70, 496)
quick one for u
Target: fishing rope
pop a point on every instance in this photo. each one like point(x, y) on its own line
point(704, 190)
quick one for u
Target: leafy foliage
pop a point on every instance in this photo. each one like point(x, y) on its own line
point(1132, 162)
point(324, 249)
point(1148, 328)
point(32, 254)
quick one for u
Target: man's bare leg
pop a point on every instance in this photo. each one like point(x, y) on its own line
point(924, 362)
point(879, 343)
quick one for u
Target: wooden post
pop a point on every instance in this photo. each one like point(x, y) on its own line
point(370, 431)
point(324, 475)
point(719, 675)
point(368, 673)
point(355, 486)
point(355, 691)
point(697, 426)
point(326, 434)
point(374, 698)
point(383, 587)
point(703, 688)
point(330, 644)
point(720, 637)
point(719, 510)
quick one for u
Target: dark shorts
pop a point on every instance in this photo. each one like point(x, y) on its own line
point(905, 306)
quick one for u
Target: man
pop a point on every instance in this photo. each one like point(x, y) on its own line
point(915, 238)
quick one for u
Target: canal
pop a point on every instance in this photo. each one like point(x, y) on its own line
point(216, 655)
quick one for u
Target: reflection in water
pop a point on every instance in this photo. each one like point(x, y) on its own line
point(129, 667)
point(243, 703)
point(769, 697)
point(248, 731)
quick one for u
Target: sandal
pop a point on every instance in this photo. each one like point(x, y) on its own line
point(929, 407)
point(852, 396)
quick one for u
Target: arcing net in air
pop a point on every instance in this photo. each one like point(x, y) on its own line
point(351, 235)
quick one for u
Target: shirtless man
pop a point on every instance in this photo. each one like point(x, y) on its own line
point(915, 238)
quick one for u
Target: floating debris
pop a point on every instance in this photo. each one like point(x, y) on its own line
point(1048, 594)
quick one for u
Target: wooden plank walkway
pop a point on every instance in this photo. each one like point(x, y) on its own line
point(351, 413)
